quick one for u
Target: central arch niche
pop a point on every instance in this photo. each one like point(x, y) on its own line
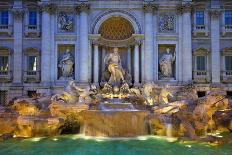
point(116, 28)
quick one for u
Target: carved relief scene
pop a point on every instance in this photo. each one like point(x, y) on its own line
point(65, 22)
point(167, 22)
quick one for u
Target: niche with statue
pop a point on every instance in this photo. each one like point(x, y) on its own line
point(65, 62)
point(167, 62)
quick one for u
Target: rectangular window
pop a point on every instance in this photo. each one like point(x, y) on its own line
point(4, 17)
point(3, 97)
point(4, 63)
point(200, 18)
point(228, 63)
point(32, 17)
point(31, 94)
point(228, 17)
point(32, 63)
point(201, 63)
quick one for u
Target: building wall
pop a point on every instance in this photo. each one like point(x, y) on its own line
point(45, 39)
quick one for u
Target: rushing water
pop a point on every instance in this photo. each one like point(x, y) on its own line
point(78, 145)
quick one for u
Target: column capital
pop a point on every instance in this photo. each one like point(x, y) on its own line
point(138, 38)
point(83, 7)
point(185, 7)
point(94, 38)
point(18, 12)
point(47, 7)
point(214, 12)
point(150, 7)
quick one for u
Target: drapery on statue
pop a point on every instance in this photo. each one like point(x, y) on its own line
point(66, 65)
point(165, 63)
point(113, 63)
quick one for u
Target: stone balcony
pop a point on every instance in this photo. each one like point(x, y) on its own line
point(226, 29)
point(6, 29)
point(200, 29)
point(227, 76)
point(201, 76)
point(31, 76)
point(5, 76)
point(32, 30)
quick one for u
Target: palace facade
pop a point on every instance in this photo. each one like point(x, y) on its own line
point(45, 43)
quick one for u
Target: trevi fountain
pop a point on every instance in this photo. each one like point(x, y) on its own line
point(115, 77)
point(118, 111)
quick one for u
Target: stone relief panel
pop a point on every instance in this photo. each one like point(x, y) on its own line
point(167, 22)
point(65, 22)
point(66, 62)
point(166, 62)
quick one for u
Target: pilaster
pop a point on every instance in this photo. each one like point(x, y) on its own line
point(18, 13)
point(215, 45)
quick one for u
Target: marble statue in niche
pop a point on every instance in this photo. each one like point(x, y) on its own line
point(166, 22)
point(114, 74)
point(65, 22)
point(165, 64)
point(114, 66)
point(66, 63)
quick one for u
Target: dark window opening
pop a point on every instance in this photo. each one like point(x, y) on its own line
point(201, 93)
point(229, 94)
point(31, 94)
point(3, 97)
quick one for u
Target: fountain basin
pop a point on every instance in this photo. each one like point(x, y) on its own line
point(114, 123)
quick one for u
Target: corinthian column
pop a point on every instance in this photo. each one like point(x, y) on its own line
point(46, 37)
point(136, 64)
point(215, 45)
point(96, 64)
point(187, 43)
point(83, 8)
point(149, 42)
point(18, 13)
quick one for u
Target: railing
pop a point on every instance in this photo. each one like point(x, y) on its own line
point(226, 29)
point(200, 72)
point(32, 27)
point(6, 29)
point(200, 27)
point(228, 72)
point(4, 72)
point(5, 76)
point(31, 72)
point(201, 76)
point(31, 76)
point(32, 30)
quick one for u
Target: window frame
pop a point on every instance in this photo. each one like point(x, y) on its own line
point(197, 17)
point(230, 17)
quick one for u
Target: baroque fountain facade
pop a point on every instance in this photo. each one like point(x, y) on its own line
point(122, 71)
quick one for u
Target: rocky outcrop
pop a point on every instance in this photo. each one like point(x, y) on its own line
point(8, 121)
point(31, 126)
point(61, 109)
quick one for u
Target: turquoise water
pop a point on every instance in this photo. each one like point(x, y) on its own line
point(78, 145)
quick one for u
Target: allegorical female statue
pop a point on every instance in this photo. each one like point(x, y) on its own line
point(66, 65)
point(113, 63)
point(165, 63)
